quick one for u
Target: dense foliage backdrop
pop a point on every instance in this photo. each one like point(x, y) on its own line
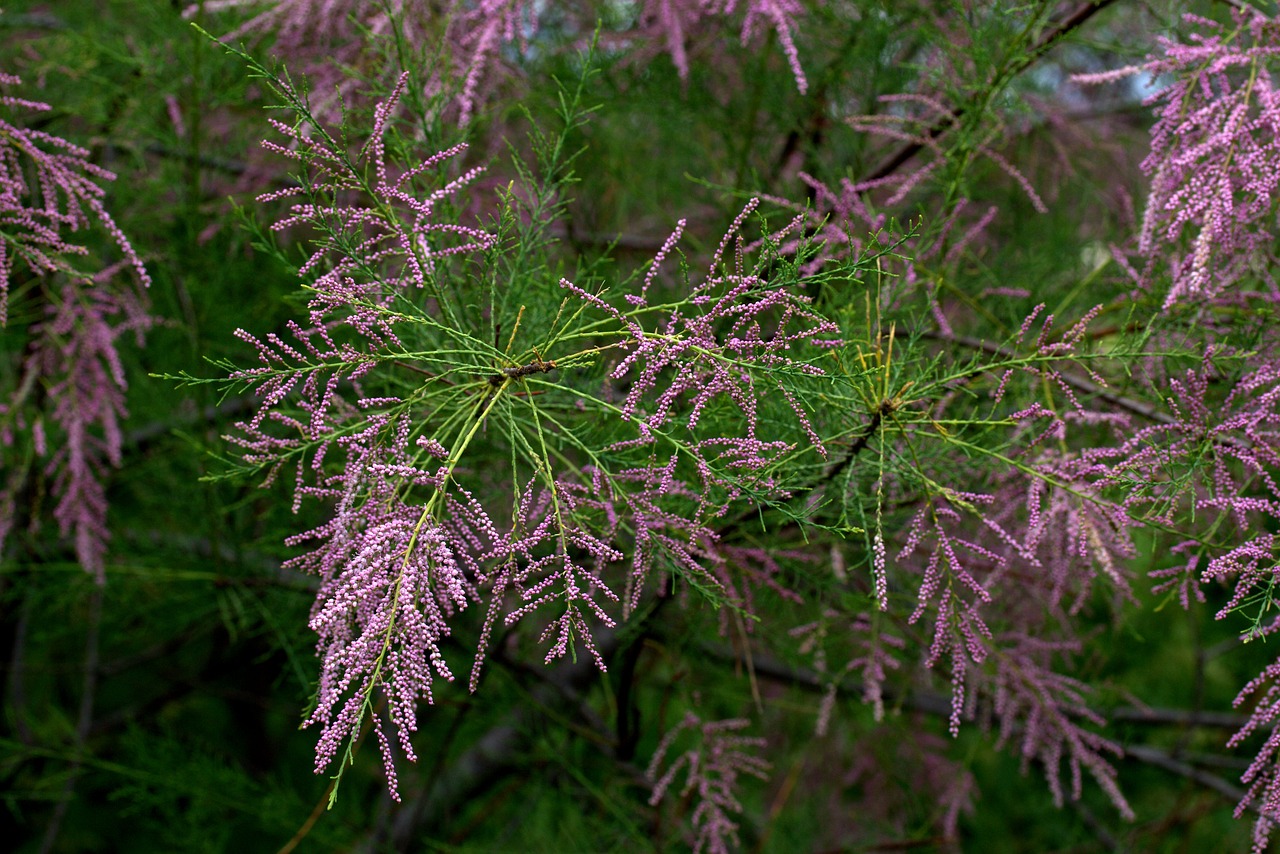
point(606, 425)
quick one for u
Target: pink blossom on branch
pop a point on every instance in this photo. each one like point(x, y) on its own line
point(1211, 212)
point(712, 766)
point(737, 340)
point(411, 241)
point(874, 653)
point(1045, 713)
point(65, 196)
point(320, 37)
point(1003, 561)
point(556, 562)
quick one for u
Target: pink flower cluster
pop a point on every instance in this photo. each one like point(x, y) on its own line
point(1215, 157)
point(48, 189)
point(738, 343)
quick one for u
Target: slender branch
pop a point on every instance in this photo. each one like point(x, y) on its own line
point(1105, 838)
point(1180, 717)
point(858, 445)
point(1161, 759)
point(928, 702)
point(1083, 384)
point(1057, 32)
point(15, 684)
point(305, 829)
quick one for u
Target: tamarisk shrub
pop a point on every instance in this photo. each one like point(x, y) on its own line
point(397, 396)
point(805, 414)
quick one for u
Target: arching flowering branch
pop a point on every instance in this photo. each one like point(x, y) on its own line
point(72, 373)
point(395, 559)
point(386, 399)
point(481, 32)
point(390, 583)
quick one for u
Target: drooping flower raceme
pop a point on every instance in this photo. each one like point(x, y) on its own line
point(390, 583)
point(711, 765)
